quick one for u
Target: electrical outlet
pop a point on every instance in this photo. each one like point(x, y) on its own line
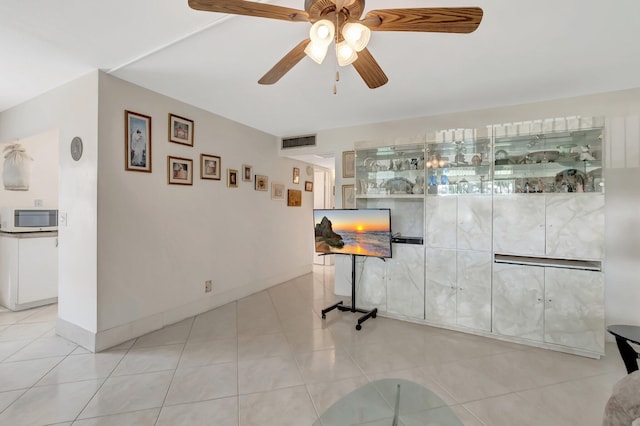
point(208, 285)
point(37, 203)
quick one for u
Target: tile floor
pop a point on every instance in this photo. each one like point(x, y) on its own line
point(269, 359)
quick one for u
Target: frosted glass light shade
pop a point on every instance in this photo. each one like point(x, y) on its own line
point(345, 53)
point(356, 35)
point(322, 32)
point(316, 51)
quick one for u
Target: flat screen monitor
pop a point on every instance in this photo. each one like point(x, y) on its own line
point(361, 232)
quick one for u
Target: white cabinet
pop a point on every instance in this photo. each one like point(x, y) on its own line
point(441, 222)
point(441, 286)
point(458, 288)
point(552, 305)
point(473, 304)
point(474, 222)
point(575, 226)
point(518, 301)
point(519, 224)
point(28, 271)
point(566, 226)
point(405, 281)
point(574, 309)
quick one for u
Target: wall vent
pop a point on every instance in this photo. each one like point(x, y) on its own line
point(298, 141)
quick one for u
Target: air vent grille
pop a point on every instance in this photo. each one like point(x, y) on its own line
point(298, 141)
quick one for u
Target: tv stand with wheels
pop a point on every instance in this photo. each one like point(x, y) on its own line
point(340, 305)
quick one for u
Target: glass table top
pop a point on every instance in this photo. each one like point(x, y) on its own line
point(389, 402)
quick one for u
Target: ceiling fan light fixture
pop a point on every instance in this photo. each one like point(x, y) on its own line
point(345, 53)
point(322, 32)
point(316, 51)
point(356, 35)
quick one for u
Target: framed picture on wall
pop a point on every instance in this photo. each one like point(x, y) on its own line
point(296, 175)
point(137, 142)
point(180, 130)
point(294, 198)
point(232, 178)
point(247, 172)
point(179, 171)
point(262, 183)
point(277, 191)
point(348, 164)
point(348, 197)
point(308, 186)
point(210, 166)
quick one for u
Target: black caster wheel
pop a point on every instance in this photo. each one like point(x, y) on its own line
point(324, 316)
point(374, 315)
point(358, 327)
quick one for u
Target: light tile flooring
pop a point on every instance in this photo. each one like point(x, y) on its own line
point(269, 359)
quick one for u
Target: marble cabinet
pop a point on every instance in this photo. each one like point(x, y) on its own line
point(441, 221)
point(405, 281)
point(394, 285)
point(473, 302)
point(575, 226)
point(474, 222)
point(574, 309)
point(518, 301)
point(458, 288)
point(519, 224)
point(566, 226)
point(552, 305)
point(441, 285)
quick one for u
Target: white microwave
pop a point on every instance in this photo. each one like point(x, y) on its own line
point(33, 219)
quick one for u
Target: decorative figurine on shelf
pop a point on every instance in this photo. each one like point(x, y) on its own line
point(585, 154)
point(418, 188)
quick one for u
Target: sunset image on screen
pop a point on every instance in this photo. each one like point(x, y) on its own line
point(363, 232)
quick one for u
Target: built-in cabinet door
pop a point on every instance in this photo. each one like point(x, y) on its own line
point(405, 281)
point(441, 286)
point(474, 222)
point(519, 224)
point(574, 308)
point(440, 221)
point(518, 301)
point(371, 285)
point(37, 269)
point(473, 307)
point(575, 226)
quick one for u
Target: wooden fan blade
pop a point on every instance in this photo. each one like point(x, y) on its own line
point(285, 64)
point(369, 70)
point(250, 8)
point(437, 19)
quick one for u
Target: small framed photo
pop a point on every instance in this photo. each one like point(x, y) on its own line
point(247, 172)
point(179, 171)
point(262, 183)
point(180, 130)
point(232, 178)
point(277, 191)
point(294, 198)
point(308, 186)
point(137, 142)
point(296, 175)
point(210, 167)
point(348, 164)
point(348, 197)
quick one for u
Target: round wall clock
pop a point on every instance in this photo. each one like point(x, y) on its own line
point(76, 148)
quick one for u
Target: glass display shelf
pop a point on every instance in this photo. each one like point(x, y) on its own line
point(556, 162)
point(461, 167)
point(390, 172)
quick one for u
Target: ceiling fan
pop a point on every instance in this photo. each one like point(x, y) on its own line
point(341, 21)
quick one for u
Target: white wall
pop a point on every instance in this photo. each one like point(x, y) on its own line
point(72, 109)
point(43, 148)
point(158, 243)
point(622, 172)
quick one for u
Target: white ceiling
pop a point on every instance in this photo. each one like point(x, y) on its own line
point(523, 51)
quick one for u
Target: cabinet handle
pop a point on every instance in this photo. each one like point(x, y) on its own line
point(549, 300)
point(539, 299)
